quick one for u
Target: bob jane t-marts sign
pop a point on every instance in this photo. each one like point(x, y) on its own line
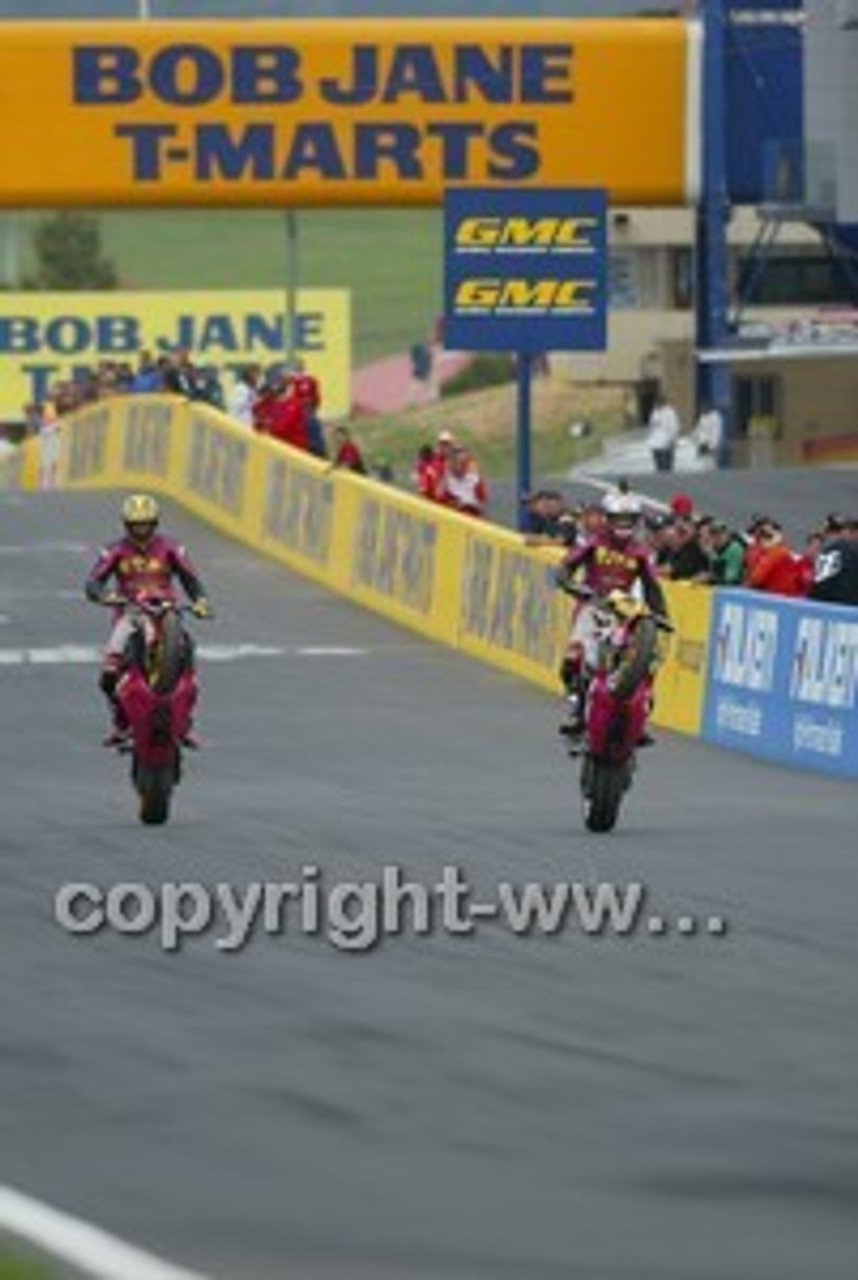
point(351, 112)
point(46, 338)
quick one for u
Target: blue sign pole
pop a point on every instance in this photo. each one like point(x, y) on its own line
point(523, 440)
point(713, 379)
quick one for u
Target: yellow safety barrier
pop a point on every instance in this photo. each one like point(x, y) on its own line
point(463, 582)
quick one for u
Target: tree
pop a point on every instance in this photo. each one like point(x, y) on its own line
point(69, 254)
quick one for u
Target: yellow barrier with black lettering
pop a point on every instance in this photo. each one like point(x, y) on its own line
point(460, 581)
point(681, 683)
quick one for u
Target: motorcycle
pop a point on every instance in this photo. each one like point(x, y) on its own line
point(618, 700)
point(157, 693)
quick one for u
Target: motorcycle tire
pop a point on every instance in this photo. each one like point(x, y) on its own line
point(640, 661)
point(603, 785)
point(171, 656)
point(155, 791)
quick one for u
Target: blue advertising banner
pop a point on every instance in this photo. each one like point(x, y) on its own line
point(525, 270)
point(783, 681)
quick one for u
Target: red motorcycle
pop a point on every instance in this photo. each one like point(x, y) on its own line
point(618, 702)
point(157, 692)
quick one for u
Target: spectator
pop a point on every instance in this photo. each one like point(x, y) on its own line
point(726, 556)
point(207, 387)
point(807, 560)
point(244, 395)
point(421, 373)
point(550, 524)
point(49, 446)
point(770, 565)
point(708, 433)
point(591, 521)
point(382, 469)
point(180, 377)
point(444, 446)
point(348, 456)
point(279, 413)
point(664, 430)
point(835, 578)
point(461, 486)
point(147, 379)
point(309, 393)
point(660, 528)
point(682, 505)
point(426, 473)
point(687, 561)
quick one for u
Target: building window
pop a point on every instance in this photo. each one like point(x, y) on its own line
point(758, 397)
point(795, 280)
point(682, 279)
point(623, 291)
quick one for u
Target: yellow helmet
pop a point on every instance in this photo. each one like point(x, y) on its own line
point(139, 508)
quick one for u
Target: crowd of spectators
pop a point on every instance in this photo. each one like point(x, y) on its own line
point(173, 373)
point(691, 546)
point(448, 473)
point(687, 545)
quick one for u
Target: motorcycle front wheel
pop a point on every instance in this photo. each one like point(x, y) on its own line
point(603, 784)
point(155, 791)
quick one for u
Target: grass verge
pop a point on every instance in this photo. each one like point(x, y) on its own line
point(390, 259)
point(486, 422)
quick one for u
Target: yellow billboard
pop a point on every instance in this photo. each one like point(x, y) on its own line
point(345, 112)
point(47, 338)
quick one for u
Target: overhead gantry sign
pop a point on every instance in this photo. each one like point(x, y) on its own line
point(351, 112)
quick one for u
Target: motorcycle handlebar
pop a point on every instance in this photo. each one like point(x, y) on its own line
point(582, 592)
point(152, 606)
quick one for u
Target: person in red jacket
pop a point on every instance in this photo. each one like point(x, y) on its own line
point(309, 393)
point(426, 474)
point(280, 414)
point(348, 455)
point(770, 564)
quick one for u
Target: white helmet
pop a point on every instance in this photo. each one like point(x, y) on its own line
point(622, 512)
point(622, 504)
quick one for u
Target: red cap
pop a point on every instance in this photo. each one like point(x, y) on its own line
point(681, 505)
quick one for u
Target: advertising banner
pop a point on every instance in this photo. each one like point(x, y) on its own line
point(525, 270)
point(345, 112)
point(46, 338)
point(783, 681)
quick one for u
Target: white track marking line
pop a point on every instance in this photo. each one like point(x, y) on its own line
point(84, 654)
point(35, 548)
point(329, 651)
point(91, 1250)
point(606, 487)
point(233, 652)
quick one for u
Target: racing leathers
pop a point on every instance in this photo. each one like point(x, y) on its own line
point(602, 565)
point(138, 571)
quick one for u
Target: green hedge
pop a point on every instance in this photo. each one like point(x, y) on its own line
point(483, 371)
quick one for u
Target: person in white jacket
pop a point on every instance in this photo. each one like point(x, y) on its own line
point(709, 433)
point(664, 432)
point(244, 395)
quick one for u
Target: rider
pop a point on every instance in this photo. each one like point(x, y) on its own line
point(143, 563)
point(612, 560)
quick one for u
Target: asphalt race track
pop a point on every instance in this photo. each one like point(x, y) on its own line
point(440, 1108)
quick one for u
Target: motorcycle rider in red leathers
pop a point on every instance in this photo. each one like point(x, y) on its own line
point(611, 561)
point(143, 563)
